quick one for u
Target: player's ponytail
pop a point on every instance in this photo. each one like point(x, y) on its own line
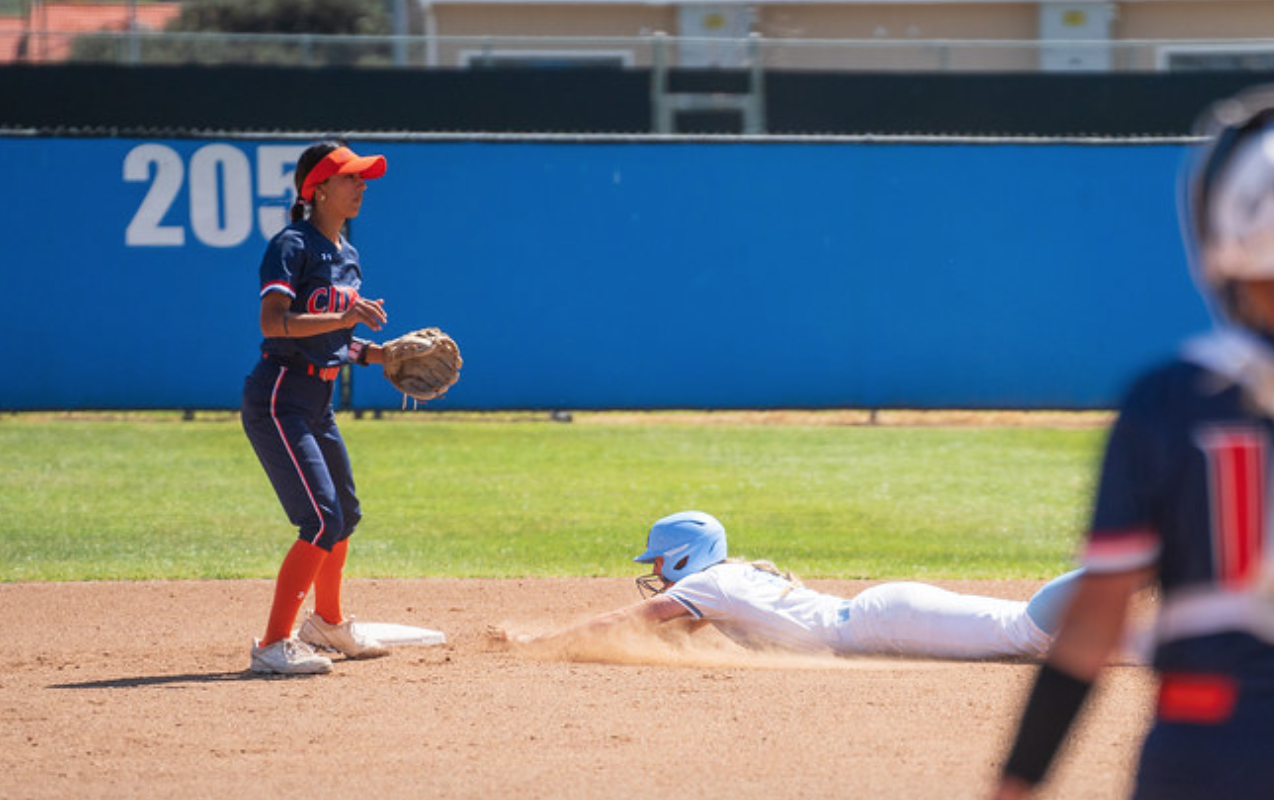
point(769, 567)
point(311, 157)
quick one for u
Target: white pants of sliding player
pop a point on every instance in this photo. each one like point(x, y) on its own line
point(916, 619)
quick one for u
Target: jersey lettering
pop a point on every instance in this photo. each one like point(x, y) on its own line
point(1236, 458)
point(334, 299)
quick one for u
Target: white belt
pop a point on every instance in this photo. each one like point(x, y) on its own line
point(1202, 613)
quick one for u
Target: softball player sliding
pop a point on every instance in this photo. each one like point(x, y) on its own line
point(759, 607)
point(1184, 500)
point(310, 302)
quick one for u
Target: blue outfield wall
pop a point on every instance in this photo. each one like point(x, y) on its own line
point(611, 274)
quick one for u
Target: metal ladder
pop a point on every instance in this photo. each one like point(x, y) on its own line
point(724, 90)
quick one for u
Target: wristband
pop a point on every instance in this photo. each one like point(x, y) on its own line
point(1055, 701)
point(358, 352)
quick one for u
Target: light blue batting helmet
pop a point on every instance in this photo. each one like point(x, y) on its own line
point(689, 541)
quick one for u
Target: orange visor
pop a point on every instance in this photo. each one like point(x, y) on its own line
point(342, 161)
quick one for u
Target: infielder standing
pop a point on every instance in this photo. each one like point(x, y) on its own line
point(310, 302)
point(759, 607)
point(1184, 499)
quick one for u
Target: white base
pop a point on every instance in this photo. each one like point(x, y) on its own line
point(390, 633)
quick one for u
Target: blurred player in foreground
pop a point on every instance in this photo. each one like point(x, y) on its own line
point(759, 607)
point(310, 303)
point(1184, 500)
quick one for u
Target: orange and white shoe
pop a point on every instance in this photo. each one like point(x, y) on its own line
point(288, 657)
point(344, 638)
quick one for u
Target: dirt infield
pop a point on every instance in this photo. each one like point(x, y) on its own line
point(127, 690)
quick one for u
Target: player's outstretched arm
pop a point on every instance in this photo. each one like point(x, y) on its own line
point(644, 615)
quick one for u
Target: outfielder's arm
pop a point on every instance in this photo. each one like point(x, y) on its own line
point(277, 321)
point(364, 352)
point(1094, 624)
point(1091, 630)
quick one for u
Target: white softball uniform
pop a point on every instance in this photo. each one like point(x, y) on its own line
point(759, 609)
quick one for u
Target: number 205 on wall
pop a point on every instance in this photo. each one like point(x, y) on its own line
point(228, 197)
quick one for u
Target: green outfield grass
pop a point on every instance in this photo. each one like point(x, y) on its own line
point(155, 497)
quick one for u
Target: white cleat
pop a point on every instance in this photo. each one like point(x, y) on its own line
point(345, 638)
point(288, 657)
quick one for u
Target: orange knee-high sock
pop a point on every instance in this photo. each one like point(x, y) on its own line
point(296, 576)
point(327, 584)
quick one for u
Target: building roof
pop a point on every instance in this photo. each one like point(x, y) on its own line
point(46, 32)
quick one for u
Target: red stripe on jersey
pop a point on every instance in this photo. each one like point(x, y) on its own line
point(278, 286)
point(1236, 474)
point(1197, 699)
point(1120, 550)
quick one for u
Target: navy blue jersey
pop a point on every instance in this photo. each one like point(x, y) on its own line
point(319, 277)
point(1184, 489)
